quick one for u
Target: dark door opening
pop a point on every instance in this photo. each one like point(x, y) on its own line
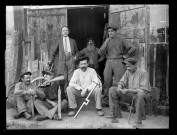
point(88, 22)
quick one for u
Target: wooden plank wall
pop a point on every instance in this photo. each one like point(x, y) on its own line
point(45, 26)
point(131, 22)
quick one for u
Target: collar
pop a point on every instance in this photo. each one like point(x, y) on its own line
point(66, 37)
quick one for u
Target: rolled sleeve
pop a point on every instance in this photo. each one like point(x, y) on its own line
point(73, 81)
point(144, 82)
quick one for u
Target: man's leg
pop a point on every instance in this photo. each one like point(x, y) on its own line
point(118, 70)
point(139, 105)
point(107, 83)
point(97, 96)
point(41, 108)
point(72, 93)
point(22, 107)
point(69, 70)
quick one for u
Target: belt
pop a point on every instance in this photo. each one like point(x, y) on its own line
point(113, 59)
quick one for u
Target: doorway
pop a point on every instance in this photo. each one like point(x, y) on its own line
point(85, 23)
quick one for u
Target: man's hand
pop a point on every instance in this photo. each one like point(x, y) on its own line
point(32, 91)
point(124, 56)
point(124, 91)
point(107, 41)
point(83, 93)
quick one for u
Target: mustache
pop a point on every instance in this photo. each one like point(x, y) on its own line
point(83, 67)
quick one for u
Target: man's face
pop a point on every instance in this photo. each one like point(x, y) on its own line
point(90, 45)
point(111, 32)
point(83, 65)
point(65, 31)
point(26, 79)
point(131, 68)
point(47, 77)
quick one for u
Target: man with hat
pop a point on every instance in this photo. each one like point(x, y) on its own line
point(47, 105)
point(116, 49)
point(22, 95)
point(135, 82)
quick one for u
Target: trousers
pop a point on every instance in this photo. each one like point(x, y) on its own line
point(44, 108)
point(72, 93)
point(115, 97)
point(113, 72)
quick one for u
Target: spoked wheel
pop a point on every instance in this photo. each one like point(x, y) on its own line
point(10, 95)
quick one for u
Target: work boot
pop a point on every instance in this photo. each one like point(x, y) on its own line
point(105, 102)
point(144, 117)
point(41, 117)
point(100, 112)
point(64, 105)
point(27, 115)
point(72, 112)
point(118, 113)
point(16, 116)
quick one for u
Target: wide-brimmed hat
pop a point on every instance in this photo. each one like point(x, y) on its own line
point(130, 60)
point(47, 72)
point(112, 26)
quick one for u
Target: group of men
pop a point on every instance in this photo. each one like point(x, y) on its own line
point(119, 83)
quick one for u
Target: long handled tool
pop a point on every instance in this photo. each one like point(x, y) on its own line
point(87, 100)
point(131, 108)
point(59, 103)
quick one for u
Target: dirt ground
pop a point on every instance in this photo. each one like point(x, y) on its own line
point(86, 119)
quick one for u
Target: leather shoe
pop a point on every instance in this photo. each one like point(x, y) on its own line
point(16, 116)
point(100, 112)
point(138, 122)
point(111, 116)
point(27, 115)
point(144, 117)
point(72, 113)
point(41, 117)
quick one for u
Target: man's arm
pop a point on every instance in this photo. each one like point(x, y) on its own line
point(73, 81)
point(103, 49)
point(76, 51)
point(131, 48)
point(94, 80)
point(18, 90)
point(54, 51)
point(123, 81)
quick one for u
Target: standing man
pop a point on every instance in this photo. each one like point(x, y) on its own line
point(22, 95)
point(47, 105)
point(134, 82)
point(92, 53)
point(67, 51)
point(114, 48)
point(82, 82)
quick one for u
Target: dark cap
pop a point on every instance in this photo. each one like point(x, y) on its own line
point(112, 26)
point(25, 73)
point(130, 60)
point(47, 72)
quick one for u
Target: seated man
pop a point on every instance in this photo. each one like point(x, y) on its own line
point(83, 81)
point(47, 106)
point(134, 82)
point(22, 95)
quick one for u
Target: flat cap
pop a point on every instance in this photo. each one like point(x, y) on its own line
point(112, 26)
point(47, 72)
point(130, 60)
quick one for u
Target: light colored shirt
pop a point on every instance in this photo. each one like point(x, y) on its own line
point(81, 80)
point(68, 49)
point(137, 80)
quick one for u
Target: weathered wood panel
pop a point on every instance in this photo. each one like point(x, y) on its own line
point(130, 20)
point(45, 25)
